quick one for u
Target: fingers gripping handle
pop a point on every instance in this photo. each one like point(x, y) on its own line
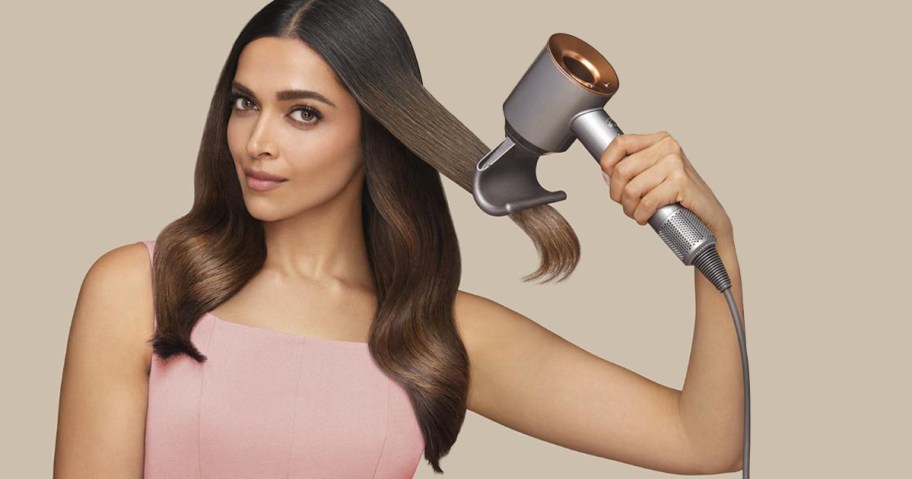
point(680, 229)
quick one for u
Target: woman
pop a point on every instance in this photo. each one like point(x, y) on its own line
point(305, 314)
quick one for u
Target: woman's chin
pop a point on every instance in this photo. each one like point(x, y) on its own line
point(263, 212)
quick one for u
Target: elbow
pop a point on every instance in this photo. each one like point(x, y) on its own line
point(723, 459)
point(715, 462)
point(733, 467)
point(739, 464)
point(715, 466)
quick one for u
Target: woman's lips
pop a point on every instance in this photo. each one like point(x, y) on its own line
point(262, 185)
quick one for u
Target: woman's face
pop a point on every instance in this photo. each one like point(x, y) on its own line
point(290, 118)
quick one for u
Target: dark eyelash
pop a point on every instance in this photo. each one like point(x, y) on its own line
point(313, 111)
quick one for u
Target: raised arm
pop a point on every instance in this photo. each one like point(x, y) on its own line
point(531, 380)
point(104, 388)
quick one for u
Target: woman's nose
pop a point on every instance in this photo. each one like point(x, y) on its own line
point(262, 139)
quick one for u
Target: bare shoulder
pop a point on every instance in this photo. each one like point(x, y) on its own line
point(494, 333)
point(116, 297)
point(482, 321)
point(104, 386)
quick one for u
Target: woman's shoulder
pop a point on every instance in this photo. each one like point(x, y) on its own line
point(483, 323)
point(117, 289)
point(498, 339)
point(103, 387)
point(471, 312)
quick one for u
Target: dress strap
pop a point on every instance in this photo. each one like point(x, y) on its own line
point(150, 246)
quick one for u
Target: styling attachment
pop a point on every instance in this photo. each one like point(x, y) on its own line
point(567, 79)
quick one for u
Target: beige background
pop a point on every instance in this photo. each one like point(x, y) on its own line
point(795, 113)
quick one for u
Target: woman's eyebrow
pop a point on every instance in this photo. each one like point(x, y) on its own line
point(285, 95)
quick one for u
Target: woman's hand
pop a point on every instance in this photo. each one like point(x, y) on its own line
point(647, 172)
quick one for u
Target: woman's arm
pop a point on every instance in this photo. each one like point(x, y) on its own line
point(643, 173)
point(712, 400)
point(531, 380)
point(103, 393)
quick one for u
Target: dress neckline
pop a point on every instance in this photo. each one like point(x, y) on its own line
point(292, 336)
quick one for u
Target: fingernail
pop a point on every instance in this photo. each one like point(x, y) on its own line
point(607, 178)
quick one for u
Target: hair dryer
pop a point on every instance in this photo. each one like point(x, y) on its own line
point(559, 99)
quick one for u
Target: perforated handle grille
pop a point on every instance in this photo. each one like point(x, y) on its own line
point(691, 241)
point(683, 232)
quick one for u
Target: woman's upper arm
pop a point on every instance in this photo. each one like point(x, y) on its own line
point(104, 388)
point(531, 380)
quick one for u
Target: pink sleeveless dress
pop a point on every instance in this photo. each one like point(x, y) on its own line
point(268, 404)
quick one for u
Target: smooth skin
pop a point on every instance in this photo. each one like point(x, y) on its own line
point(522, 375)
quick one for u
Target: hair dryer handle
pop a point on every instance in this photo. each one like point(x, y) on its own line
point(680, 229)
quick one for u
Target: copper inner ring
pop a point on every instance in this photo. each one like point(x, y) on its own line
point(582, 63)
point(581, 68)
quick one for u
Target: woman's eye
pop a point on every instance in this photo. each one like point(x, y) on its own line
point(309, 115)
point(236, 100)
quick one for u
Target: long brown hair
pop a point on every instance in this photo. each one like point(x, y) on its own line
point(408, 139)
